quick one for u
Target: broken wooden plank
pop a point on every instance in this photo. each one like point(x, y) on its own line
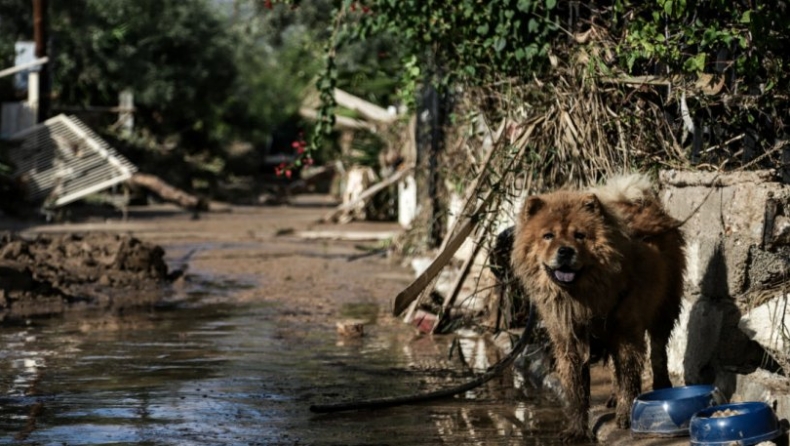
point(357, 236)
point(368, 110)
point(167, 192)
point(459, 281)
point(368, 193)
point(407, 296)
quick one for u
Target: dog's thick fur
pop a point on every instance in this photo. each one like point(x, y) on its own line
point(603, 266)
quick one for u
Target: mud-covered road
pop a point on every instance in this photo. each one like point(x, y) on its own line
point(239, 346)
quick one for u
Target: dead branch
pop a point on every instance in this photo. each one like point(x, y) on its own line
point(168, 193)
point(368, 193)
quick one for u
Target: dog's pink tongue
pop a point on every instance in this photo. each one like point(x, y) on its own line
point(564, 276)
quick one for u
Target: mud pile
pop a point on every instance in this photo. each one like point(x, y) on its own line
point(52, 274)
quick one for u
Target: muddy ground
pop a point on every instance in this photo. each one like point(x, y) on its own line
point(265, 253)
point(51, 274)
point(106, 262)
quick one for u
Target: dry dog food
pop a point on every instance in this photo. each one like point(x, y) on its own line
point(725, 413)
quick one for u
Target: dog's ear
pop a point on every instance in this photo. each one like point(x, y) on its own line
point(532, 205)
point(591, 204)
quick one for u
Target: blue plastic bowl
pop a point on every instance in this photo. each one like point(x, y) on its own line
point(754, 422)
point(667, 412)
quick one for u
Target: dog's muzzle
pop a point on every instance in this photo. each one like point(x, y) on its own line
point(562, 269)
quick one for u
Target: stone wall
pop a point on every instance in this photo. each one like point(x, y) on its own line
point(736, 317)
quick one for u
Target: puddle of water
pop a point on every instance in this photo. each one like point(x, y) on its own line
point(223, 374)
point(362, 310)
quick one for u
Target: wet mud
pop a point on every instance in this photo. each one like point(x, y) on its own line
point(237, 349)
point(50, 274)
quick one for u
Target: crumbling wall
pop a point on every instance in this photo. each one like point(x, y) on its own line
point(737, 228)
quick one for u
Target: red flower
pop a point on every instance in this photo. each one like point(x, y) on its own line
point(267, 4)
point(299, 146)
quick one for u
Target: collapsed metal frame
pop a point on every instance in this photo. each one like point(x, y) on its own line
point(62, 160)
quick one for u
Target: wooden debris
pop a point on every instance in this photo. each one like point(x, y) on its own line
point(351, 328)
point(357, 236)
point(407, 296)
point(367, 194)
point(466, 225)
point(167, 192)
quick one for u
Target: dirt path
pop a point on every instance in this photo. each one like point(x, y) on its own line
point(281, 254)
point(274, 249)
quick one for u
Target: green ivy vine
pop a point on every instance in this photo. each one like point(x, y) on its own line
point(472, 43)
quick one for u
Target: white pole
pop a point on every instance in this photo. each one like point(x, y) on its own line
point(23, 67)
point(126, 111)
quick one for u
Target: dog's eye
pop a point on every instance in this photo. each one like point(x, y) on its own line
point(579, 236)
point(548, 236)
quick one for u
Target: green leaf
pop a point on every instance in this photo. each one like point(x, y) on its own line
point(532, 25)
point(499, 44)
point(696, 63)
point(524, 5)
point(747, 16)
point(550, 4)
point(630, 60)
point(668, 7)
point(482, 29)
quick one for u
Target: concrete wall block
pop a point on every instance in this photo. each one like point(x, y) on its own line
point(726, 223)
point(737, 228)
point(731, 204)
point(707, 347)
point(781, 230)
point(767, 387)
point(716, 267)
point(766, 268)
point(694, 341)
point(769, 325)
point(700, 255)
point(735, 261)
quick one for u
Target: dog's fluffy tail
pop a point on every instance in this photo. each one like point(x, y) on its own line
point(630, 188)
point(633, 199)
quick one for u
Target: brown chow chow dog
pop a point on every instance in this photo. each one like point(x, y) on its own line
point(603, 267)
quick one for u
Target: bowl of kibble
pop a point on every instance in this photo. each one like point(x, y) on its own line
point(667, 412)
point(746, 423)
